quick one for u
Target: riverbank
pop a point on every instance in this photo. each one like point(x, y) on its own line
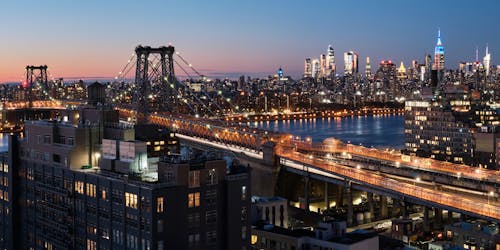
point(315, 114)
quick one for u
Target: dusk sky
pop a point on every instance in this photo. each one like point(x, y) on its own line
point(96, 38)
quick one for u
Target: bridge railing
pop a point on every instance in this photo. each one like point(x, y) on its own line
point(398, 159)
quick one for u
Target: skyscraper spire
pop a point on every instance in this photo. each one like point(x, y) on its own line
point(477, 54)
point(439, 38)
point(438, 54)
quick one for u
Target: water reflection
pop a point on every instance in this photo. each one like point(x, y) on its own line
point(374, 131)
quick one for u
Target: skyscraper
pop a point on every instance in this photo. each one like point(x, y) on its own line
point(402, 72)
point(316, 69)
point(308, 68)
point(330, 59)
point(438, 54)
point(487, 61)
point(368, 68)
point(323, 65)
point(350, 63)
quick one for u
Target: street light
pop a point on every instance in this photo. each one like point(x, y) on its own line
point(416, 180)
point(492, 194)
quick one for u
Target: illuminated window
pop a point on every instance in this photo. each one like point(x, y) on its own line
point(91, 190)
point(194, 199)
point(103, 194)
point(6, 168)
point(48, 245)
point(91, 245)
point(254, 239)
point(157, 148)
point(243, 192)
point(194, 179)
point(130, 200)
point(91, 229)
point(159, 205)
point(212, 177)
point(79, 187)
point(162, 142)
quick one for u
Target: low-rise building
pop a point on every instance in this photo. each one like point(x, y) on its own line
point(327, 235)
point(271, 210)
point(477, 234)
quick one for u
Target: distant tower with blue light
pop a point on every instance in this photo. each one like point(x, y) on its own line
point(280, 73)
point(438, 54)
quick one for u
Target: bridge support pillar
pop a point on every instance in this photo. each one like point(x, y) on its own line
point(350, 212)
point(370, 205)
point(438, 217)
point(339, 196)
point(404, 210)
point(269, 154)
point(384, 213)
point(306, 193)
point(426, 219)
point(327, 199)
point(450, 216)
point(463, 217)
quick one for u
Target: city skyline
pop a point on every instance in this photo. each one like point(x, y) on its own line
point(231, 39)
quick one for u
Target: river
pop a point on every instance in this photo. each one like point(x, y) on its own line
point(377, 130)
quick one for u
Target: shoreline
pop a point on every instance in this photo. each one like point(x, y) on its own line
point(316, 114)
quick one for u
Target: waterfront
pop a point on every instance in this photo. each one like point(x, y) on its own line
point(376, 131)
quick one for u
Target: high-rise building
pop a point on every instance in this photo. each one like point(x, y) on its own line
point(428, 67)
point(323, 65)
point(316, 68)
point(438, 54)
point(402, 72)
point(308, 68)
point(436, 132)
point(330, 58)
point(487, 61)
point(368, 68)
point(386, 75)
point(350, 63)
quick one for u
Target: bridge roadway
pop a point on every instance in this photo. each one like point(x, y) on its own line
point(36, 105)
point(361, 179)
point(299, 156)
point(347, 151)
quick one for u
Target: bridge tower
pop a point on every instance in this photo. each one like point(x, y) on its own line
point(154, 79)
point(34, 75)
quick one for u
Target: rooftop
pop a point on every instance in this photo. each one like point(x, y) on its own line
point(261, 199)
